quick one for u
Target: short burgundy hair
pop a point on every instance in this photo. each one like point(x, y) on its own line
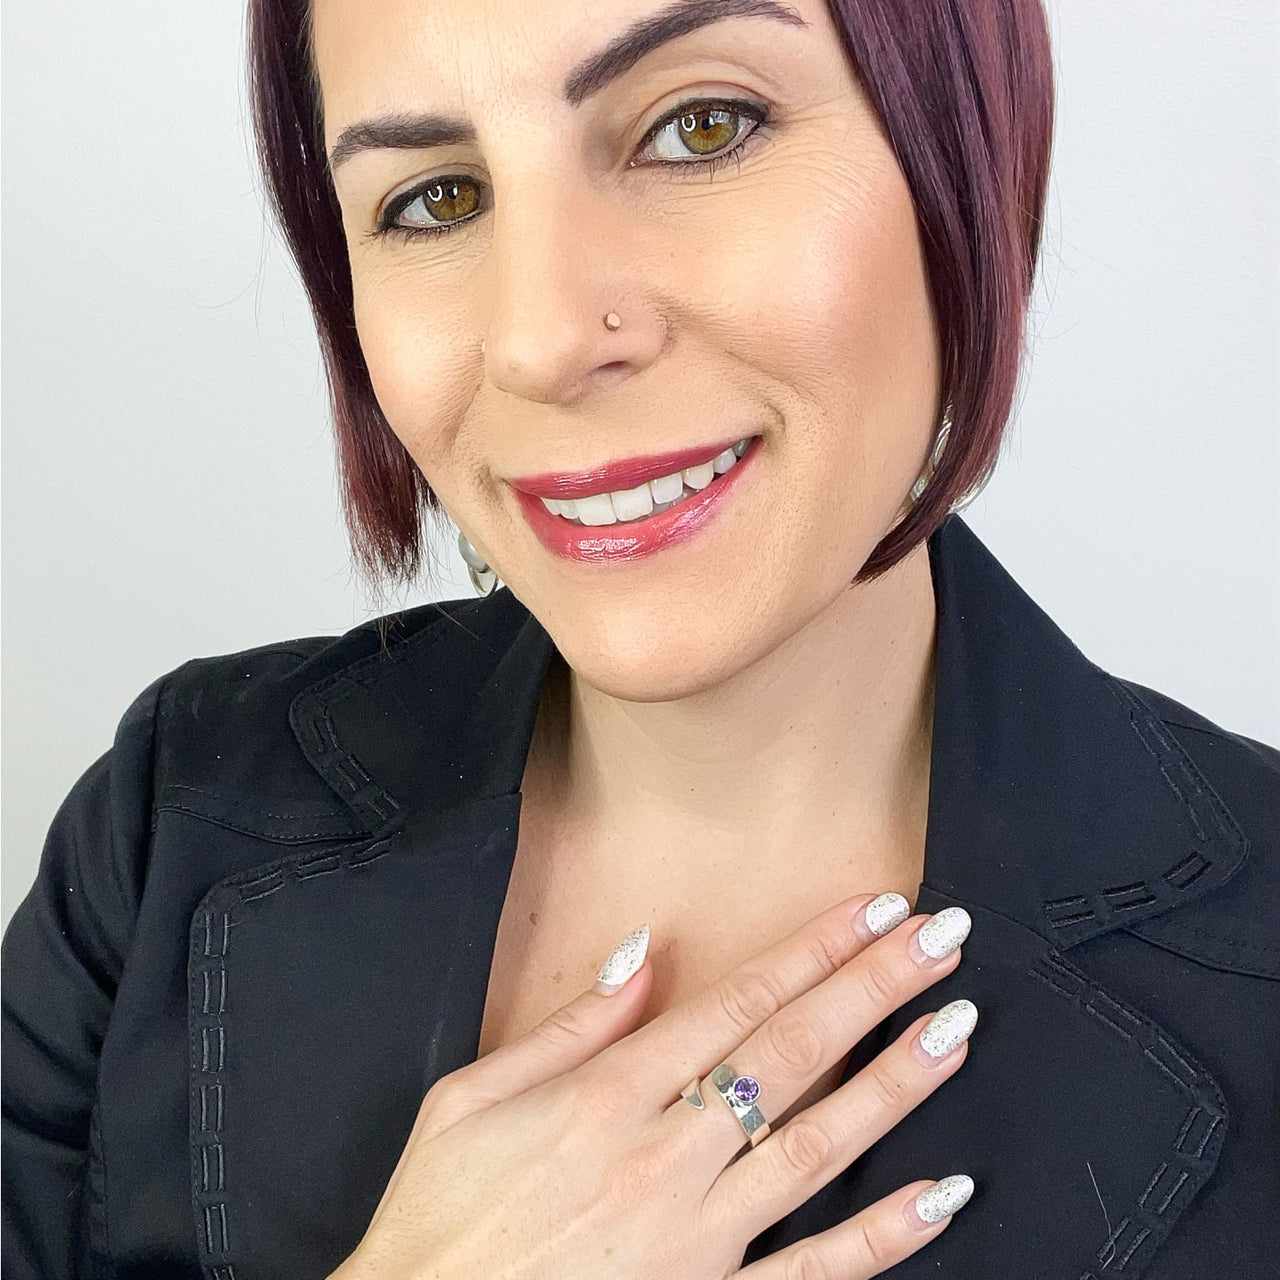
point(964, 90)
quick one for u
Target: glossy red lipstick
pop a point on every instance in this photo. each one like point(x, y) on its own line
point(626, 540)
point(627, 473)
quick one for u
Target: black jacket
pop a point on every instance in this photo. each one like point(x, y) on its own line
point(264, 920)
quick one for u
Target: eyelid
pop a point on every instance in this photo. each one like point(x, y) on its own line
point(749, 107)
point(756, 110)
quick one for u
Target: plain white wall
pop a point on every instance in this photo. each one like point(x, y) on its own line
point(168, 475)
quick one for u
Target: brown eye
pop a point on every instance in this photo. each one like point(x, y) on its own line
point(707, 129)
point(706, 134)
point(445, 200)
point(704, 129)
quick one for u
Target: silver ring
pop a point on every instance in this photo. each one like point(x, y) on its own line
point(740, 1093)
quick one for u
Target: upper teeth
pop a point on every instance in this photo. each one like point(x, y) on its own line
point(654, 495)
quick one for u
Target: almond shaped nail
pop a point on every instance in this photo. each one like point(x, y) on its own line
point(950, 1026)
point(942, 933)
point(624, 960)
point(943, 1198)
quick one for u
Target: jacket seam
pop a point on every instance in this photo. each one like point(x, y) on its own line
point(208, 1030)
point(96, 1192)
point(1195, 780)
point(1194, 1155)
point(266, 813)
point(210, 937)
point(342, 770)
point(1230, 943)
point(1076, 917)
point(229, 824)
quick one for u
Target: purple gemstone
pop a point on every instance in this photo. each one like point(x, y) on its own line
point(746, 1089)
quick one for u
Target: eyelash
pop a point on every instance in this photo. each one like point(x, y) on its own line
point(758, 112)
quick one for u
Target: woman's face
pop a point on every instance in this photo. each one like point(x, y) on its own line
point(779, 298)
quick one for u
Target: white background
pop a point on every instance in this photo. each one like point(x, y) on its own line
point(169, 486)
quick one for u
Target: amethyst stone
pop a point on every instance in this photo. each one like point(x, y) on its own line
point(746, 1089)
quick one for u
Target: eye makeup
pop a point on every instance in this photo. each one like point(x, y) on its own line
point(758, 112)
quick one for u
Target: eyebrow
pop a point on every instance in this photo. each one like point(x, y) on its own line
point(418, 131)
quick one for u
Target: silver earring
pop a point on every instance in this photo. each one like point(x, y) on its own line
point(935, 455)
point(482, 577)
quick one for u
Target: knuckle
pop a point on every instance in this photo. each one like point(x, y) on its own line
point(883, 984)
point(830, 948)
point(889, 1091)
point(447, 1101)
point(793, 1044)
point(874, 1243)
point(806, 1262)
point(444, 1094)
point(804, 1147)
point(750, 999)
point(560, 1028)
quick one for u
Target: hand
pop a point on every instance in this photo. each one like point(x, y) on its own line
point(569, 1152)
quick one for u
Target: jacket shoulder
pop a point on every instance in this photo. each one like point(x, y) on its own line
point(1234, 926)
point(225, 747)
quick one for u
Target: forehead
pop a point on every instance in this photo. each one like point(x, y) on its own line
point(373, 54)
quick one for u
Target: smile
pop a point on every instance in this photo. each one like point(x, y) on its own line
point(652, 497)
point(624, 510)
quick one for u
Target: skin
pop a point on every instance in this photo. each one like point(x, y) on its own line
point(730, 708)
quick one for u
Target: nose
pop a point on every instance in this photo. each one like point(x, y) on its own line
point(568, 313)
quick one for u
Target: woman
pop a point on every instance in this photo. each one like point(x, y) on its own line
point(301, 988)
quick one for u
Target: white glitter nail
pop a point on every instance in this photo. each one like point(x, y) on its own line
point(943, 1198)
point(941, 934)
point(886, 912)
point(950, 1026)
point(624, 959)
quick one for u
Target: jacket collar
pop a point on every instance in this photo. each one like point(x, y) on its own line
point(1057, 796)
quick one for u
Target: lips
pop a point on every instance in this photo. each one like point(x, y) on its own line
point(621, 542)
point(626, 473)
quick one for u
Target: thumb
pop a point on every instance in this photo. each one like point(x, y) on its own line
point(566, 1038)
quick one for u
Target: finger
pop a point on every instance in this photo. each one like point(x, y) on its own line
point(685, 1041)
point(565, 1039)
point(795, 1161)
point(872, 1241)
point(802, 1040)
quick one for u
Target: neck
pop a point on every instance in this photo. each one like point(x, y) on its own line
point(820, 748)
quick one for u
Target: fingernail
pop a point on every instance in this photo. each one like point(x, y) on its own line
point(940, 1200)
point(947, 1029)
point(885, 913)
point(940, 935)
point(624, 960)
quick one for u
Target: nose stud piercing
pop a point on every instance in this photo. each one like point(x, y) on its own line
point(611, 321)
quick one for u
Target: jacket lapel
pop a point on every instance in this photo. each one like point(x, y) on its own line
point(1060, 810)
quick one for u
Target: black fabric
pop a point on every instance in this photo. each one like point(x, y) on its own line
point(263, 924)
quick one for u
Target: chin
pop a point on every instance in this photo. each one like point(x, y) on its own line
point(648, 656)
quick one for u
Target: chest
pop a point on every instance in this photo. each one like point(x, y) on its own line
point(563, 914)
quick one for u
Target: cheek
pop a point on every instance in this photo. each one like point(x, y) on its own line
point(834, 310)
point(421, 374)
